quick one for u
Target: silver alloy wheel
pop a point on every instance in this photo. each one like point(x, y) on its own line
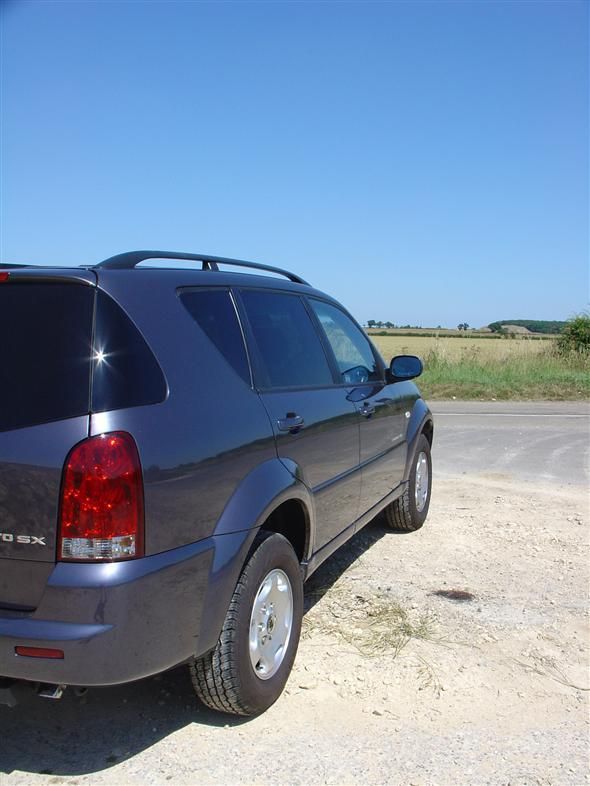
point(421, 483)
point(270, 624)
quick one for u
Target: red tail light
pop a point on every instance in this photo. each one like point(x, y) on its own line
point(101, 516)
point(39, 652)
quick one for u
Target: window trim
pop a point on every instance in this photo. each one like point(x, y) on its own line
point(233, 299)
point(260, 376)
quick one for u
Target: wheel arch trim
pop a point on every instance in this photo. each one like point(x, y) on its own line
point(420, 421)
point(260, 493)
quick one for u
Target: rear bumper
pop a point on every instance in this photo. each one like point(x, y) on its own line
point(117, 622)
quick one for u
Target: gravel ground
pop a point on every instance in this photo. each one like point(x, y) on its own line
point(393, 683)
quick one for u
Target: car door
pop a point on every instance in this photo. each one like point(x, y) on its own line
point(381, 407)
point(315, 423)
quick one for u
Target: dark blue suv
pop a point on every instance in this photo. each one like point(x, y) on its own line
point(179, 450)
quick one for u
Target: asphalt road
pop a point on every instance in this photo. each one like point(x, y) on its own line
point(531, 441)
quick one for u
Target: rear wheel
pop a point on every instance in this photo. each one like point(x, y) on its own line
point(248, 669)
point(408, 512)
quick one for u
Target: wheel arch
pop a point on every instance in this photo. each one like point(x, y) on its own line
point(421, 422)
point(269, 498)
point(266, 497)
point(428, 430)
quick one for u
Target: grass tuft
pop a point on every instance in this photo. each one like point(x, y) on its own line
point(546, 666)
point(374, 625)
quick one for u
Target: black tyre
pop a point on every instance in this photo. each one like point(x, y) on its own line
point(248, 669)
point(408, 512)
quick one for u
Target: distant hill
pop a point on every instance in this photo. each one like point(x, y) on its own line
point(532, 325)
point(521, 330)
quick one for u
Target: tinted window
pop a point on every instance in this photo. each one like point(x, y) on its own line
point(354, 356)
point(214, 312)
point(126, 373)
point(45, 343)
point(289, 347)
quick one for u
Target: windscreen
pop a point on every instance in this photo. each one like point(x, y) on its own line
point(45, 340)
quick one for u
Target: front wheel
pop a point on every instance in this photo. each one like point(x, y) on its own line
point(248, 669)
point(408, 512)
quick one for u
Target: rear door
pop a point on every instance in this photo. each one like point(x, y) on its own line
point(315, 424)
point(381, 409)
point(46, 330)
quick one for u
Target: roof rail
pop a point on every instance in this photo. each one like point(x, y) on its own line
point(131, 259)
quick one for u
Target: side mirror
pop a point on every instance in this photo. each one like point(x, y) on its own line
point(404, 367)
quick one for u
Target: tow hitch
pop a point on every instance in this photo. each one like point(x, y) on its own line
point(12, 692)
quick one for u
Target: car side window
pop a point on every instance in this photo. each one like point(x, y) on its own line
point(355, 358)
point(214, 312)
point(289, 348)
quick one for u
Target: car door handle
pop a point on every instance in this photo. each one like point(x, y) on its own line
point(292, 422)
point(367, 409)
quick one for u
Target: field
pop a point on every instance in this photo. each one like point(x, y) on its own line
point(485, 368)
point(456, 349)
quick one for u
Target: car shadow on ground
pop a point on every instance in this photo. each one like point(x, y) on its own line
point(84, 734)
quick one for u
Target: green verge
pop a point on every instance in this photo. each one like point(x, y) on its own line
point(543, 377)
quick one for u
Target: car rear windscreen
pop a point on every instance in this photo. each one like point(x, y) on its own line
point(45, 340)
point(47, 357)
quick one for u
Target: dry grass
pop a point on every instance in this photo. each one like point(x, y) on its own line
point(373, 624)
point(546, 666)
point(455, 349)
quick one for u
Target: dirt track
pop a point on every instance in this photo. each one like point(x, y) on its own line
point(496, 691)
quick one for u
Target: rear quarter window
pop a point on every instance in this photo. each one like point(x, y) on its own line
point(126, 372)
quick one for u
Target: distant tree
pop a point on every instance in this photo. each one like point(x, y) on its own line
point(462, 326)
point(533, 325)
point(379, 324)
point(371, 323)
point(389, 325)
point(575, 336)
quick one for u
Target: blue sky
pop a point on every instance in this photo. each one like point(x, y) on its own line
point(424, 162)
